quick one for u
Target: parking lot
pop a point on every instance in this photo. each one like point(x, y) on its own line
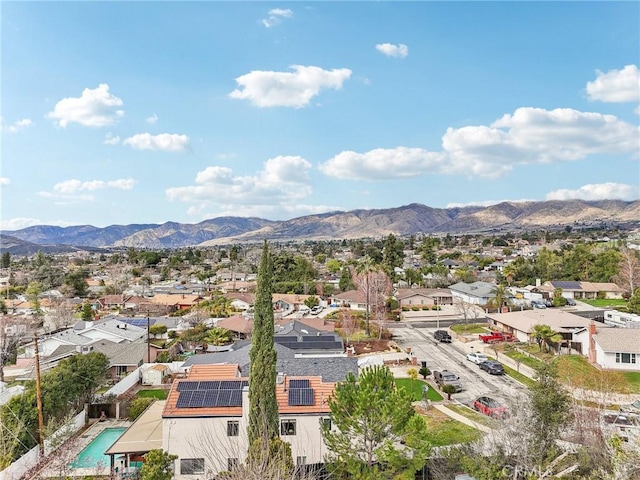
point(452, 357)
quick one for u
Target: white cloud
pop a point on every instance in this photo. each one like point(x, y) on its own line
point(170, 142)
point(19, 223)
point(18, 125)
point(384, 164)
point(391, 50)
point(616, 86)
point(528, 136)
point(288, 89)
point(281, 184)
point(535, 135)
point(4, 181)
point(111, 139)
point(152, 119)
point(598, 191)
point(275, 17)
point(73, 185)
point(94, 108)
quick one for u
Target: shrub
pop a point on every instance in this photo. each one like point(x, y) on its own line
point(425, 372)
point(157, 329)
point(415, 309)
point(138, 406)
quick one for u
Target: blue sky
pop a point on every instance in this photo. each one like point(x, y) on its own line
point(146, 112)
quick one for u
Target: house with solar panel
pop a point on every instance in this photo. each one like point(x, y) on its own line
point(206, 415)
point(587, 290)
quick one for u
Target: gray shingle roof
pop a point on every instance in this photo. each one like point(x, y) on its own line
point(475, 289)
point(621, 340)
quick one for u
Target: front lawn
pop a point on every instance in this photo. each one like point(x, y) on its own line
point(470, 328)
point(415, 387)
point(157, 394)
point(575, 370)
point(518, 376)
point(605, 302)
point(443, 430)
point(473, 415)
point(522, 358)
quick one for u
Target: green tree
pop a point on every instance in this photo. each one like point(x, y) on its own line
point(138, 406)
point(392, 253)
point(551, 410)
point(558, 299)
point(377, 433)
point(500, 297)
point(263, 408)
point(346, 280)
point(33, 295)
point(157, 465)
point(333, 265)
point(218, 336)
point(5, 262)
point(86, 313)
point(364, 269)
point(312, 301)
point(634, 302)
point(449, 390)
point(544, 335)
point(75, 283)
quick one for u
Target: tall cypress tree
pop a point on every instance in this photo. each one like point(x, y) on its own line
point(263, 408)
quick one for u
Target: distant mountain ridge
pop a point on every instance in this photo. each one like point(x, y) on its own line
point(409, 219)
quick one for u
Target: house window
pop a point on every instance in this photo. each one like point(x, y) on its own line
point(192, 466)
point(232, 464)
point(121, 370)
point(233, 428)
point(301, 460)
point(625, 358)
point(288, 427)
point(326, 423)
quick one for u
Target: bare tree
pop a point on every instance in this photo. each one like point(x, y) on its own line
point(348, 324)
point(468, 311)
point(628, 276)
point(63, 314)
point(12, 333)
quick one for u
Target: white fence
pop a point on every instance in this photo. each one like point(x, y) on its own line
point(17, 469)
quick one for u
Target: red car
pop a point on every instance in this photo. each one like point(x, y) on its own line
point(489, 407)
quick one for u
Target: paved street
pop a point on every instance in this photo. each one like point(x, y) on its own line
point(452, 357)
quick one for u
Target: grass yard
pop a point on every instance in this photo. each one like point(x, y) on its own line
point(606, 302)
point(522, 358)
point(442, 430)
point(157, 394)
point(518, 376)
point(415, 387)
point(473, 415)
point(575, 370)
point(470, 328)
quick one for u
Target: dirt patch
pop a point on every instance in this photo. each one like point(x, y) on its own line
point(372, 346)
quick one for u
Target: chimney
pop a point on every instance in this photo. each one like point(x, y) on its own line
point(538, 282)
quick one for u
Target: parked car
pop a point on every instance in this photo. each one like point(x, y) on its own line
point(490, 407)
point(633, 408)
point(538, 304)
point(316, 310)
point(442, 336)
point(446, 377)
point(477, 357)
point(493, 367)
point(571, 302)
point(496, 337)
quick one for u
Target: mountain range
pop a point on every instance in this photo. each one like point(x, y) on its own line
point(406, 220)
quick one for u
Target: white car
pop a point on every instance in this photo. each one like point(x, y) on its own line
point(477, 357)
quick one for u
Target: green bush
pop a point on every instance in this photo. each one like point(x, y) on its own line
point(415, 309)
point(138, 406)
point(157, 329)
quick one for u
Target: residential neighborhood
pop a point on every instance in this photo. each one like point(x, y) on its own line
point(175, 347)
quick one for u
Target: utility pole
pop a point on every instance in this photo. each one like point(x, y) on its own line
point(39, 401)
point(148, 339)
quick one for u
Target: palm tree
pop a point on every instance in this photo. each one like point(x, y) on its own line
point(544, 334)
point(366, 267)
point(218, 336)
point(500, 297)
point(449, 389)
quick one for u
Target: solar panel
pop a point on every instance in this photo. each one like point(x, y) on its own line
point(210, 398)
point(236, 398)
point(209, 385)
point(299, 383)
point(183, 386)
point(284, 338)
point(301, 396)
point(327, 338)
point(197, 398)
point(224, 398)
point(232, 384)
point(184, 399)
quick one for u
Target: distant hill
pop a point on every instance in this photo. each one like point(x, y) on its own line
point(406, 220)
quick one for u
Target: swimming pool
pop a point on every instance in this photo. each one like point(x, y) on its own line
point(93, 455)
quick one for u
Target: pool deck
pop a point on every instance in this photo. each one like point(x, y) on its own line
point(61, 462)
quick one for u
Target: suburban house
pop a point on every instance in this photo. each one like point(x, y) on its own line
point(240, 325)
point(521, 324)
point(176, 301)
point(587, 290)
point(610, 347)
point(289, 302)
point(476, 293)
point(409, 297)
point(241, 301)
point(205, 419)
point(354, 299)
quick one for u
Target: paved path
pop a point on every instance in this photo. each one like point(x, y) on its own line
point(462, 418)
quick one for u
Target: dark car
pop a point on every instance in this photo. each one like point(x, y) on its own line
point(442, 336)
point(447, 378)
point(493, 367)
point(489, 407)
point(571, 302)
